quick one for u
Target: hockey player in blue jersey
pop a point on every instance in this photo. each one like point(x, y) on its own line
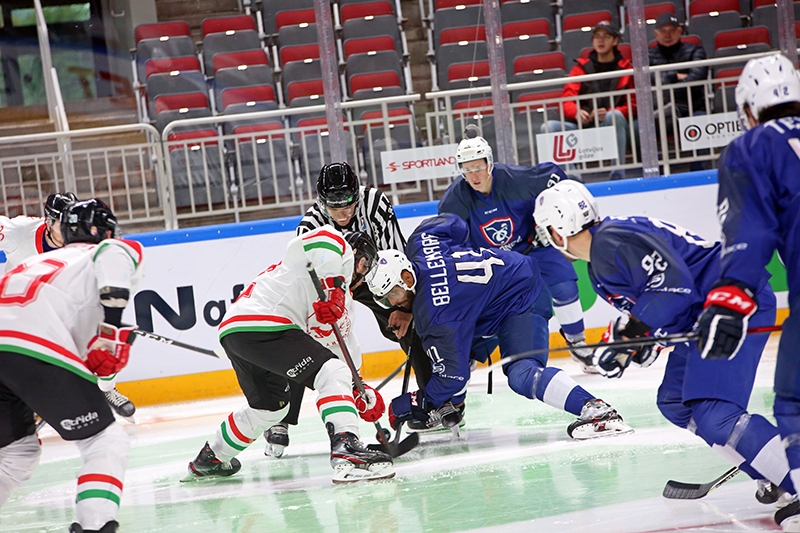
point(658, 274)
point(497, 202)
point(458, 293)
point(758, 206)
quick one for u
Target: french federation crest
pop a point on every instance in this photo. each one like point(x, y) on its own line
point(498, 231)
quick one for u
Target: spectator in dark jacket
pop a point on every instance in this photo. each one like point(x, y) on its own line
point(590, 110)
point(670, 49)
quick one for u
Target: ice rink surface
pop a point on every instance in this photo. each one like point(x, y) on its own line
point(513, 469)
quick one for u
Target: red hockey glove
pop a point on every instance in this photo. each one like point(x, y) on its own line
point(109, 349)
point(723, 324)
point(332, 309)
point(370, 406)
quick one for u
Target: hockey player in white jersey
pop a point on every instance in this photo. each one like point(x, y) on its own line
point(24, 237)
point(61, 314)
point(278, 331)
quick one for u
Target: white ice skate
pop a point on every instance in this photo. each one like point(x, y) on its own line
point(582, 355)
point(277, 438)
point(597, 419)
point(352, 461)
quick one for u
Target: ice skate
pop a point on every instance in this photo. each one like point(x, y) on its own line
point(597, 419)
point(769, 493)
point(788, 517)
point(435, 426)
point(277, 438)
point(207, 465)
point(582, 355)
point(352, 461)
point(120, 404)
point(110, 527)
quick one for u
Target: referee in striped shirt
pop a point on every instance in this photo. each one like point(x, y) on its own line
point(348, 206)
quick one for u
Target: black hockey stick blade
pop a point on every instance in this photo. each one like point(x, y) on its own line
point(676, 490)
point(396, 449)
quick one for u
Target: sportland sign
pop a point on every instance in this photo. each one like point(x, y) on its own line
point(578, 146)
point(709, 131)
point(415, 164)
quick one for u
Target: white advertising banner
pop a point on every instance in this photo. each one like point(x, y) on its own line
point(578, 146)
point(709, 131)
point(414, 164)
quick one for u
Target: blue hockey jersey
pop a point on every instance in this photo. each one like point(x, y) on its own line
point(758, 203)
point(504, 219)
point(657, 271)
point(461, 293)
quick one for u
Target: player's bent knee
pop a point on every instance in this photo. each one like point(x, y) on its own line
point(259, 419)
point(334, 373)
point(675, 412)
point(716, 421)
point(523, 376)
point(18, 460)
point(564, 292)
point(112, 441)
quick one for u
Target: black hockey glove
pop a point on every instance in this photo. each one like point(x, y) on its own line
point(612, 361)
point(723, 324)
point(414, 406)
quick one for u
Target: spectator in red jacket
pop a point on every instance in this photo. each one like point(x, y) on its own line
point(594, 111)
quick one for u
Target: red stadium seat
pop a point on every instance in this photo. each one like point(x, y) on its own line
point(172, 102)
point(236, 59)
point(244, 95)
point(171, 64)
point(363, 10)
point(705, 7)
point(743, 36)
point(162, 29)
point(224, 24)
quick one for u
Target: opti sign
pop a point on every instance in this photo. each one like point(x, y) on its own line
point(709, 131)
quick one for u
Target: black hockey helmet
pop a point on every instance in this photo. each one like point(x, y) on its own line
point(337, 185)
point(364, 246)
point(87, 221)
point(56, 203)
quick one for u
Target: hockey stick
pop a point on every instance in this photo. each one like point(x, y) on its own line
point(395, 450)
point(218, 353)
point(391, 376)
point(676, 490)
point(413, 439)
point(627, 343)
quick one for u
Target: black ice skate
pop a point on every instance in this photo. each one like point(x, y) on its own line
point(277, 438)
point(597, 419)
point(769, 493)
point(434, 424)
point(120, 404)
point(207, 465)
point(110, 527)
point(789, 517)
point(352, 461)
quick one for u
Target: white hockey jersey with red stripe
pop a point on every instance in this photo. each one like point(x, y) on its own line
point(282, 296)
point(21, 238)
point(50, 304)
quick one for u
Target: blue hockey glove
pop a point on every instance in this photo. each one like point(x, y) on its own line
point(723, 324)
point(414, 406)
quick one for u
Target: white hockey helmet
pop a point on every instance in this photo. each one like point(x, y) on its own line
point(766, 82)
point(568, 207)
point(472, 150)
point(386, 274)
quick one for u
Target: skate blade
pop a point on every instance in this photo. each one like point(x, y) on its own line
point(129, 419)
point(344, 474)
point(601, 429)
point(274, 450)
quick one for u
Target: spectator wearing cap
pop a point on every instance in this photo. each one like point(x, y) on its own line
point(670, 49)
point(590, 111)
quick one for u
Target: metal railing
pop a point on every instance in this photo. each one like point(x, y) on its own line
point(127, 176)
point(449, 124)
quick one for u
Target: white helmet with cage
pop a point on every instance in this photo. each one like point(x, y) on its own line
point(568, 207)
point(766, 82)
point(472, 150)
point(386, 274)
